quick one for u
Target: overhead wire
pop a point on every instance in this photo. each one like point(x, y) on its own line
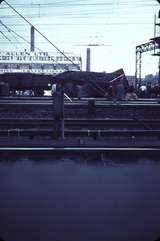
point(39, 32)
point(83, 24)
point(25, 40)
point(9, 40)
point(81, 12)
point(12, 33)
point(5, 36)
point(86, 13)
point(80, 3)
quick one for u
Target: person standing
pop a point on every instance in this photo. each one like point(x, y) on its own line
point(131, 95)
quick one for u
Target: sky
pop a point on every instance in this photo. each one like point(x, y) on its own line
point(113, 27)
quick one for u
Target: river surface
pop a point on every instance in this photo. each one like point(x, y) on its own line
point(73, 200)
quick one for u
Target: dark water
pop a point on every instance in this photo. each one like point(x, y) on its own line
point(79, 201)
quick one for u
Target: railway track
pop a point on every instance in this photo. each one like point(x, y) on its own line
point(121, 127)
point(94, 134)
point(71, 123)
point(75, 101)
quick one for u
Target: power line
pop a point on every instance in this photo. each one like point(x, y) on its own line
point(8, 40)
point(37, 31)
point(5, 36)
point(73, 3)
point(83, 15)
point(12, 33)
point(83, 24)
point(25, 40)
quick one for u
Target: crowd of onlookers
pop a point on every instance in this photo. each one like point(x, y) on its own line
point(119, 93)
point(142, 92)
point(149, 91)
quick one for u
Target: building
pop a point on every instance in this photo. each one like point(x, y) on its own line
point(38, 62)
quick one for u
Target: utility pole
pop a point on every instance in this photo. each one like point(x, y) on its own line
point(88, 60)
point(32, 39)
point(157, 41)
point(159, 46)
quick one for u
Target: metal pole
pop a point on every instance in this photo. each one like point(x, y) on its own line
point(140, 69)
point(136, 70)
point(58, 101)
point(88, 60)
point(62, 111)
point(159, 72)
point(154, 31)
point(32, 39)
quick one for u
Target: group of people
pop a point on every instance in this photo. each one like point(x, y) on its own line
point(142, 92)
point(148, 91)
point(122, 94)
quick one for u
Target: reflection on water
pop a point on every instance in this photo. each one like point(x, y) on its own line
point(68, 200)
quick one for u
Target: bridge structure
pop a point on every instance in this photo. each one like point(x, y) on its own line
point(149, 46)
point(152, 45)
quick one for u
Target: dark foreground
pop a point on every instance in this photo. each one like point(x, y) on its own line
point(68, 200)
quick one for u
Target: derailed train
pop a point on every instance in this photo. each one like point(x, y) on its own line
point(75, 83)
